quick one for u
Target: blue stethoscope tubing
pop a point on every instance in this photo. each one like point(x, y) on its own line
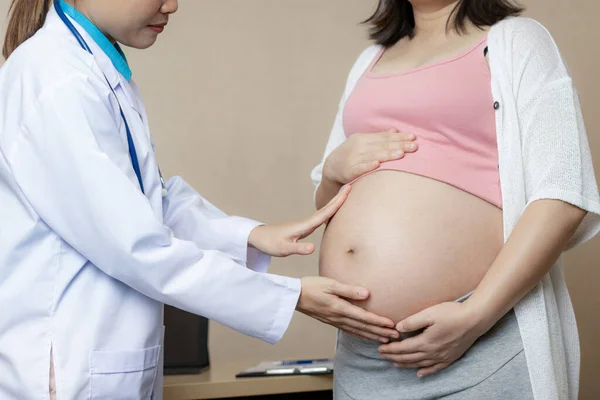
point(132, 152)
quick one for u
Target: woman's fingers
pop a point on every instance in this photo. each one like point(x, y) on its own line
point(431, 370)
point(407, 358)
point(409, 147)
point(415, 365)
point(411, 345)
point(387, 155)
point(421, 320)
point(390, 137)
point(372, 149)
point(418, 359)
point(391, 146)
point(387, 151)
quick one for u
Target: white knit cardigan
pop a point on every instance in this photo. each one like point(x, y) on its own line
point(543, 154)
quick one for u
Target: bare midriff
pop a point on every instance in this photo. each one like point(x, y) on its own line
point(412, 241)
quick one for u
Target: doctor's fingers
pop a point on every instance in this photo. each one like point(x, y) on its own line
point(374, 332)
point(295, 248)
point(344, 309)
point(361, 334)
point(309, 225)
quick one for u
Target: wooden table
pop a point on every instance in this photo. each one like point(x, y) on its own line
point(220, 382)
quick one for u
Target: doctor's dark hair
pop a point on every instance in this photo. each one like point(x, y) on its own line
point(26, 17)
point(394, 19)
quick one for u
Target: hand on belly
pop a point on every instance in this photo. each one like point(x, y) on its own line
point(449, 330)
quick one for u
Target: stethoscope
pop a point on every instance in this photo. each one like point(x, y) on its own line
point(132, 152)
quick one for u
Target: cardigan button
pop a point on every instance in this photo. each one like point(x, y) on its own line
point(496, 105)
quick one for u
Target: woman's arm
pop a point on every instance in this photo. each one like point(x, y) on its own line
point(537, 241)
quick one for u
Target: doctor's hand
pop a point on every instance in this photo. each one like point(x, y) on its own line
point(450, 329)
point(327, 301)
point(364, 152)
point(282, 240)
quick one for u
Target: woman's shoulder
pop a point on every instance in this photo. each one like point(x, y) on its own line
point(519, 24)
point(368, 54)
point(362, 63)
point(527, 45)
point(522, 33)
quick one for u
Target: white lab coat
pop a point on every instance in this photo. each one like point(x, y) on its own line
point(86, 260)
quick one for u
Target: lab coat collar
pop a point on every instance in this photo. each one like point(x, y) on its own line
point(54, 23)
point(113, 51)
point(104, 62)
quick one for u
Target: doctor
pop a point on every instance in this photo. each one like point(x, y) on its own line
point(92, 243)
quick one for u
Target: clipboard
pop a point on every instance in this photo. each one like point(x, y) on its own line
point(289, 368)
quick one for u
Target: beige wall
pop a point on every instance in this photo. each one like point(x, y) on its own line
point(241, 96)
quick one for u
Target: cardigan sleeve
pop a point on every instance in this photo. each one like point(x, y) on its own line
point(557, 161)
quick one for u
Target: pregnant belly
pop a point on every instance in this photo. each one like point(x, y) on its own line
point(412, 241)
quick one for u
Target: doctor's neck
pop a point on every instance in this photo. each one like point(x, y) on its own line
point(82, 7)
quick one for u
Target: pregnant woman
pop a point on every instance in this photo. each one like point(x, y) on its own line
point(457, 222)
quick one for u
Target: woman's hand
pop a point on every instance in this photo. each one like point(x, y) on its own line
point(450, 329)
point(327, 301)
point(364, 152)
point(282, 240)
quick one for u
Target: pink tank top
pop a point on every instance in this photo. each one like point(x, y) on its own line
point(449, 107)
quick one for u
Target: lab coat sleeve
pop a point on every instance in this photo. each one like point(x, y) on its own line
point(191, 217)
point(94, 204)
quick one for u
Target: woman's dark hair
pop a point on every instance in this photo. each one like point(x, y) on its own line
point(394, 19)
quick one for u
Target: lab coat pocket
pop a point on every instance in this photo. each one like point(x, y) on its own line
point(123, 375)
